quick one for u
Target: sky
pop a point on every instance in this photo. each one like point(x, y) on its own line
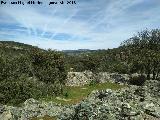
point(88, 24)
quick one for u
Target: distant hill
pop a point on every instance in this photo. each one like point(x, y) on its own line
point(79, 51)
point(11, 48)
point(15, 45)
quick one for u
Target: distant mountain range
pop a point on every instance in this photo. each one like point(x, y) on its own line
point(16, 46)
point(79, 51)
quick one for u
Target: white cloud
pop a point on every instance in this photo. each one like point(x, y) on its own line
point(104, 23)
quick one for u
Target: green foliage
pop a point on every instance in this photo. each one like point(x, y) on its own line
point(119, 67)
point(82, 62)
point(33, 73)
point(143, 52)
point(139, 54)
point(66, 94)
point(92, 83)
point(98, 61)
point(18, 91)
point(13, 68)
point(48, 66)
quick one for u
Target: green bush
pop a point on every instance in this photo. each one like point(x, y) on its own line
point(66, 94)
point(137, 80)
point(93, 82)
point(120, 67)
point(13, 68)
point(2, 65)
point(48, 66)
point(15, 92)
point(37, 74)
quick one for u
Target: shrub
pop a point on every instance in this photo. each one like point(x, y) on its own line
point(2, 65)
point(17, 91)
point(66, 95)
point(13, 68)
point(48, 66)
point(94, 82)
point(121, 68)
point(137, 80)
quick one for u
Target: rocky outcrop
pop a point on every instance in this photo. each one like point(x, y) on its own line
point(131, 103)
point(82, 78)
point(79, 78)
point(33, 108)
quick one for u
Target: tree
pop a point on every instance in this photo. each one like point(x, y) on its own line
point(145, 51)
point(48, 66)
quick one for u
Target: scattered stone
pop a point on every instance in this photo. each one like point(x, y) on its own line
point(83, 78)
point(124, 104)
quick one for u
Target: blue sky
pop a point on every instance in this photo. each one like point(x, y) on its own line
point(90, 24)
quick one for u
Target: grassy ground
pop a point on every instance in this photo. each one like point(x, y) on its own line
point(73, 95)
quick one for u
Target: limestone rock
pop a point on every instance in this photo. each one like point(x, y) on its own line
point(82, 78)
point(132, 102)
point(6, 115)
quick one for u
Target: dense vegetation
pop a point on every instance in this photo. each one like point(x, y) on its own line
point(139, 54)
point(27, 71)
point(99, 61)
point(143, 52)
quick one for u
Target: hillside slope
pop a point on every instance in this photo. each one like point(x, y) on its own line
point(11, 48)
